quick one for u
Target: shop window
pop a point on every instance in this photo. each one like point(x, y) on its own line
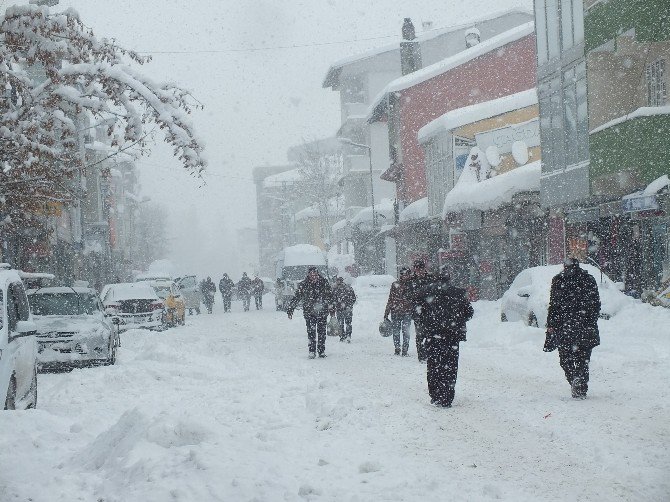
point(541, 30)
point(656, 85)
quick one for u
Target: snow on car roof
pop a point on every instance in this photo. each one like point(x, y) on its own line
point(60, 290)
point(303, 254)
point(131, 291)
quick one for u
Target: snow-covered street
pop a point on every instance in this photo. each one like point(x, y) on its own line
point(230, 408)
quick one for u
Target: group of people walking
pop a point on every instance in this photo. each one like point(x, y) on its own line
point(244, 289)
point(440, 311)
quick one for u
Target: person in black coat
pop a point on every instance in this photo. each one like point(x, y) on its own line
point(226, 286)
point(420, 279)
point(257, 289)
point(572, 323)
point(443, 311)
point(344, 299)
point(317, 302)
point(208, 290)
point(244, 291)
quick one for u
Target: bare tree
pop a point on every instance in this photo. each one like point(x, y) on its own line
point(319, 185)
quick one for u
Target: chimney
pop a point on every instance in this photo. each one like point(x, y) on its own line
point(410, 50)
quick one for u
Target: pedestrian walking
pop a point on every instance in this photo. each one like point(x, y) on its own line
point(420, 278)
point(572, 323)
point(400, 306)
point(443, 310)
point(226, 286)
point(208, 290)
point(344, 298)
point(257, 289)
point(244, 291)
point(315, 294)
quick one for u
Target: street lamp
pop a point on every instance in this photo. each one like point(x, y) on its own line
point(347, 141)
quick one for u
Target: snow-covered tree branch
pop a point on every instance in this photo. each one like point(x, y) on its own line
point(58, 79)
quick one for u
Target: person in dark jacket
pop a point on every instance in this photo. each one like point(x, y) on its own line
point(244, 291)
point(344, 299)
point(400, 307)
point(420, 278)
point(316, 296)
point(572, 323)
point(257, 289)
point(443, 310)
point(226, 286)
point(208, 290)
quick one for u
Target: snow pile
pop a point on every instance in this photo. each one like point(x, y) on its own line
point(130, 291)
point(493, 192)
point(340, 261)
point(474, 113)
point(417, 210)
point(372, 285)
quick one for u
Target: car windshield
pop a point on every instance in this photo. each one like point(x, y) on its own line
point(162, 291)
point(63, 303)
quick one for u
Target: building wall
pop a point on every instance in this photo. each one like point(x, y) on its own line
point(499, 73)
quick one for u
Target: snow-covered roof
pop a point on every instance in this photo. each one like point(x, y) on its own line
point(384, 209)
point(336, 67)
point(493, 192)
point(335, 208)
point(652, 188)
point(307, 213)
point(131, 291)
point(644, 111)
point(290, 176)
point(340, 225)
point(303, 254)
point(480, 111)
point(415, 211)
point(452, 62)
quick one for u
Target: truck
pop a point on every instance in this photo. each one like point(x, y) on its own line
point(291, 267)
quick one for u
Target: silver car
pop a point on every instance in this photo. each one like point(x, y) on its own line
point(134, 305)
point(71, 328)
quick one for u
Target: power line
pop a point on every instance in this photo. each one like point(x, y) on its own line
point(276, 47)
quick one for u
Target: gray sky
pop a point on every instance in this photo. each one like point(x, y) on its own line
point(257, 103)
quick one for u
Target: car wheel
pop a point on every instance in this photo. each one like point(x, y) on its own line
point(503, 317)
point(33, 391)
point(532, 320)
point(10, 400)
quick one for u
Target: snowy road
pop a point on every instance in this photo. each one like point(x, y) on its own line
point(229, 408)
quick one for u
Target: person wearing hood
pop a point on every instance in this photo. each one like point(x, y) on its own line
point(244, 291)
point(443, 311)
point(226, 286)
point(315, 294)
point(572, 323)
point(208, 290)
point(257, 289)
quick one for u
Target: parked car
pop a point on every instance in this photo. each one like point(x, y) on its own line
point(18, 344)
point(175, 308)
point(71, 328)
point(190, 291)
point(134, 305)
point(527, 298)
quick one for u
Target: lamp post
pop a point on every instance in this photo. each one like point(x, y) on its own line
point(347, 141)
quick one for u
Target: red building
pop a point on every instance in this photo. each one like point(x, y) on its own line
point(502, 65)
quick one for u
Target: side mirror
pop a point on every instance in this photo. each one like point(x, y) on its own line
point(26, 327)
point(116, 321)
point(523, 295)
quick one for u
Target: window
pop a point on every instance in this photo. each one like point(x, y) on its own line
point(567, 34)
point(657, 93)
point(553, 29)
point(354, 90)
point(17, 305)
point(559, 26)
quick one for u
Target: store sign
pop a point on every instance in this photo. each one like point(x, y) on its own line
point(504, 138)
point(641, 203)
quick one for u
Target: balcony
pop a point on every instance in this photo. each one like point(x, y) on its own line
point(354, 110)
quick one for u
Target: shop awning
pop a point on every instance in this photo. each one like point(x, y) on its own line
point(645, 200)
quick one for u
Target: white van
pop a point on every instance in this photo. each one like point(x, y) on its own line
point(18, 343)
point(291, 267)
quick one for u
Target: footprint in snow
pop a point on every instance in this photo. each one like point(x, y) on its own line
point(368, 467)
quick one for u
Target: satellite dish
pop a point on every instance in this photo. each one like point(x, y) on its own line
point(520, 152)
point(493, 156)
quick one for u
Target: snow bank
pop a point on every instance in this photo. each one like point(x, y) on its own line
point(493, 192)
